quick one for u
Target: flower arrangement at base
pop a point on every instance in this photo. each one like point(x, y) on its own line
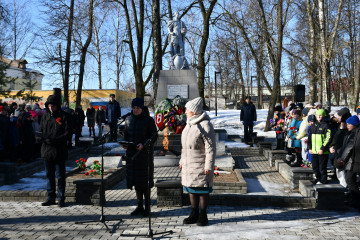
point(81, 163)
point(174, 108)
point(95, 169)
point(306, 164)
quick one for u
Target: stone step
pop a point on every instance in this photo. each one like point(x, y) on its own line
point(328, 196)
point(226, 199)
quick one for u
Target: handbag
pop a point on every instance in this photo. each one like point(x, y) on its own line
point(289, 143)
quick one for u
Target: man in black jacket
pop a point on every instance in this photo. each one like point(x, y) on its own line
point(112, 114)
point(248, 117)
point(55, 129)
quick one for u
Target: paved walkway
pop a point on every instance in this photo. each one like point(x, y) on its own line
point(260, 177)
point(31, 221)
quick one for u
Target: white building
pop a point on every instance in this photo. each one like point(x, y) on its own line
point(21, 74)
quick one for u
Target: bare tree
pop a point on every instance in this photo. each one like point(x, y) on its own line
point(84, 49)
point(206, 13)
point(327, 48)
point(139, 56)
point(68, 52)
point(22, 36)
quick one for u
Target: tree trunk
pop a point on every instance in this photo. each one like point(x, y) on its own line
point(157, 50)
point(83, 53)
point(355, 96)
point(68, 52)
point(204, 40)
point(313, 53)
point(327, 46)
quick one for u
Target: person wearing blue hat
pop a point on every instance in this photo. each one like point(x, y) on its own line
point(349, 162)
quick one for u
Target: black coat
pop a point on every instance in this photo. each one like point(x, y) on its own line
point(27, 134)
point(100, 117)
point(355, 167)
point(113, 111)
point(248, 113)
point(90, 115)
point(346, 148)
point(338, 140)
point(4, 131)
point(55, 129)
point(139, 129)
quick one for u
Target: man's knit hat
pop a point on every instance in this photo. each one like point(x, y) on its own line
point(317, 104)
point(195, 105)
point(353, 120)
point(305, 111)
point(311, 118)
point(139, 102)
point(343, 111)
point(345, 116)
point(358, 111)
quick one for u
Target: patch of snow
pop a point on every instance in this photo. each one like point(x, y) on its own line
point(230, 144)
point(247, 230)
point(112, 145)
point(36, 182)
point(261, 187)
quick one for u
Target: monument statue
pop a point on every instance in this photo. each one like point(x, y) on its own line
point(177, 31)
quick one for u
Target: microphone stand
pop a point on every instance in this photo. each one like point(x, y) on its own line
point(102, 219)
point(150, 233)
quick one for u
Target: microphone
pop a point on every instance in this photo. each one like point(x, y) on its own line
point(125, 116)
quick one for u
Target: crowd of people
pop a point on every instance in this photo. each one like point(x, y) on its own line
point(19, 125)
point(313, 136)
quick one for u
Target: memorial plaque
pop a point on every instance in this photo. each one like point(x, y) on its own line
point(181, 90)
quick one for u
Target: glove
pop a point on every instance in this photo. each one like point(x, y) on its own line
point(47, 141)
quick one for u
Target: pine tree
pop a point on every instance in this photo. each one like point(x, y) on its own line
point(4, 81)
point(29, 96)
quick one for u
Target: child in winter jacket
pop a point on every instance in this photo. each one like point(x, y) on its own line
point(278, 125)
point(318, 145)
point(296, 143)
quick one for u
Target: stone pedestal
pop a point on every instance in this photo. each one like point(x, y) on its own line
point(169, 193)
point(174, 79)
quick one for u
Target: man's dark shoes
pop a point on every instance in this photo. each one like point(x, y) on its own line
point(193, 218)
point(48, 202)
point(61, 203)
point(202, 220)
point(295, 164)
point(146, 212)
point(314, 181)
point(137, 211)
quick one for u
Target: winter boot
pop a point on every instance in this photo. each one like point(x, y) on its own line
point(93, 132)
point(202, 220)
point(89, 132)
point(298, 161)
point(138, 210)
point(193, 218)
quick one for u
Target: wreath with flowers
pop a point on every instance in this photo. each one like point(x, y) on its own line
point(176, 110)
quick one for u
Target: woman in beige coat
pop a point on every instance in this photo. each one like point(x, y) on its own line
point(197, 160)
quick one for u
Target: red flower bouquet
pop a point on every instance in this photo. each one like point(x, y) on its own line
point(81, 163)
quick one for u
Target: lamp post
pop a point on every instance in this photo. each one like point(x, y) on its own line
point(216, 92)
point(207, 77)
point(251, 84)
